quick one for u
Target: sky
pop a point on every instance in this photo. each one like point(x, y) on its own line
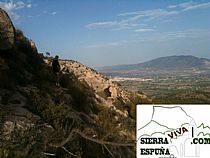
point(111, 32)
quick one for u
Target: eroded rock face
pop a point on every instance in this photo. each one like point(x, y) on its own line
point(7, 32)
point(21, 131)
point(33, 45)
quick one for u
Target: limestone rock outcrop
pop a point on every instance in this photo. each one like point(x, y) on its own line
point(7, 31)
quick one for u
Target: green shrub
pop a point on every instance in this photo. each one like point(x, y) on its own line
point(36, 103)
point(44, 79)
point(83, 95)
point(55, 115)
point(119, 103)
point(108, 121)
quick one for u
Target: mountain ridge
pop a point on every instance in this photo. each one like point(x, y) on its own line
point(167, 62)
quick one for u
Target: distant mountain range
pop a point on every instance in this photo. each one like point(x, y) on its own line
point(169, 62)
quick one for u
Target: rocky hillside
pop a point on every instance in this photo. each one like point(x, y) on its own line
point(105, 89)
point(88, 116)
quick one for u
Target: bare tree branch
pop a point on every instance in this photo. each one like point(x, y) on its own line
point(49, 154)
point(69, 152)
point(93, 140)
point(103, 143)
point(109, 151)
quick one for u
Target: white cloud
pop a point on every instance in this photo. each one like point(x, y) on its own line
point(43, 13)
point(160, 13)
point(151, 14)
point(131, 20)
point(12, 6)
point(104, 24)
point(53, 13)
point(116, 25)
point(197, 6)
point(144, 30)
point(102, 45)
point(172, 6)
point(34, 16)
point(182, 5)
point(187, 6)
point(29, 5)
point(49, 13)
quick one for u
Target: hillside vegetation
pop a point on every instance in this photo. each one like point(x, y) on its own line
point(88, 116)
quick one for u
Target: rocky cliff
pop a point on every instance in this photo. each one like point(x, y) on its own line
point(6, 31)
point(88, 116)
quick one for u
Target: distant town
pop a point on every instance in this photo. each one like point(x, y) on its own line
point(187, 85)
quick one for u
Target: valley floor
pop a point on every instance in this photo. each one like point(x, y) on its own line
point(183, 87)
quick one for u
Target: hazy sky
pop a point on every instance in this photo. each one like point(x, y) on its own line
point(111, 32)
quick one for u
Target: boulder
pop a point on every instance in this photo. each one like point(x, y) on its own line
point(7, 31)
